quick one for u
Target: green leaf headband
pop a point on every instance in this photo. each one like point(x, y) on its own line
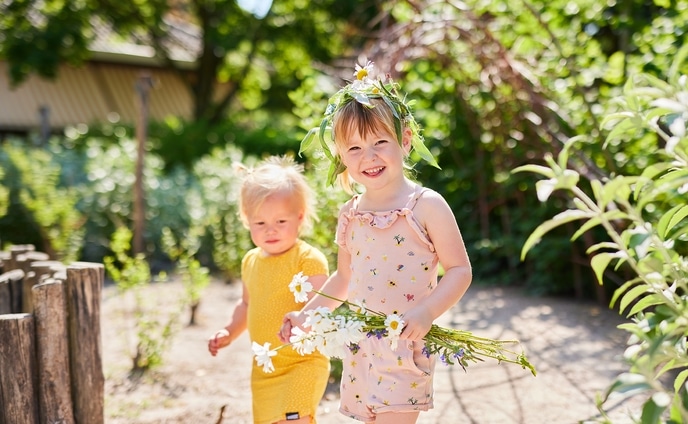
point(362, 89)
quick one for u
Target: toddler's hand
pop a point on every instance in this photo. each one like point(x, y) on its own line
point(218, 341)
point(289, 321)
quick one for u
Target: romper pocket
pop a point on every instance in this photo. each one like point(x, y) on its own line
point(415, 358)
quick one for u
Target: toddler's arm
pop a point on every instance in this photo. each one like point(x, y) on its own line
point(237, 324)
point(335, 286)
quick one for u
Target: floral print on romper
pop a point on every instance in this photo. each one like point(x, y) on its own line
point(393, 266)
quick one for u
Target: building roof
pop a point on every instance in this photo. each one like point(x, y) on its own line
point(103, 89)
point(94, 92)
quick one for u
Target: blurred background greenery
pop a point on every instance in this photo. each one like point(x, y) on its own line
point(497, 84)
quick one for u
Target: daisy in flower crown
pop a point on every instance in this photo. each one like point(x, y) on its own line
point(363, 90)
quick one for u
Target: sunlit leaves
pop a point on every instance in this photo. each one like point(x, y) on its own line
point(654, 295)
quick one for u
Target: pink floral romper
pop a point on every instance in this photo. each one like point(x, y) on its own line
point(393, 266)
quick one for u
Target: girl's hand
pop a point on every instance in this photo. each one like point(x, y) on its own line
point(218, 341)
point(418, 321)
point(289, 321)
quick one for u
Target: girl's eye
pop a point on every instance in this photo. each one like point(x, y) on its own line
point(352, 148)
point(381, 141)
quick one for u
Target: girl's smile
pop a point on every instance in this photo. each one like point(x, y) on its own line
point(374, 171)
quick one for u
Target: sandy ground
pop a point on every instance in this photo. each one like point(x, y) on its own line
point(575, 347)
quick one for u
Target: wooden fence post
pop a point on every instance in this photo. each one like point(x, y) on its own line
point(83, 290)
point(5, 294)
point(13, 263)
point(47, 269)
point(10, 295)
point(4, 261)
point(16, 250)
point(39, 270)
point(24, 262)
point(52, 353)
point(18, 391)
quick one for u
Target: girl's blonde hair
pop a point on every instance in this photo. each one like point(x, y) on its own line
point(276, 174)
point(364, 120)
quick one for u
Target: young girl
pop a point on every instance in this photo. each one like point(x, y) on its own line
point(391, 238)
point(276, 203)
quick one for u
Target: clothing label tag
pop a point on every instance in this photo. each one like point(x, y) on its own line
point(292, 416)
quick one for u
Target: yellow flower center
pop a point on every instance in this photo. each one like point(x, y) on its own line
point(394, 325)
point(362, 73)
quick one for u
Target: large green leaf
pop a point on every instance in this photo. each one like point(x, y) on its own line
point(633, 295)
point(670, 219)
point(547, 226)
point(645, 303)
point(537, 169)
point(600, 262)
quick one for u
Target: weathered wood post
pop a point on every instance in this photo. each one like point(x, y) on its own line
point(16, 250)
point(10, 283)
point(4, 261)
point(52, 353)
point(83, 289)
point(18, 391)
point(12, 264)
point(24, 262)
point(39, 270)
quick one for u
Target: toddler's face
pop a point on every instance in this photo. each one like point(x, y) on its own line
point(275, 225)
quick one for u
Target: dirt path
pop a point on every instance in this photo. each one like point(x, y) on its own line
point(575, 347)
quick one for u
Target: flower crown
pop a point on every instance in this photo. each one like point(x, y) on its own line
point(362, 89)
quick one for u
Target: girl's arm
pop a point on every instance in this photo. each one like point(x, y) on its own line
point(233, 329)
point(439, 221)
point(335, 286)
point(317, 281)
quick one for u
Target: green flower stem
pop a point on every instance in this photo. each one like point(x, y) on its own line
point(447, 341)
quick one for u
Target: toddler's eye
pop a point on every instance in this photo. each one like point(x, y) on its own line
point(352, 148)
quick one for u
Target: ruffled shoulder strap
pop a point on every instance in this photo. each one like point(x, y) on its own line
point(346, 213)
point(413, 200)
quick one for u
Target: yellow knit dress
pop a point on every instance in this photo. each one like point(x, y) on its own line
point(298, 383)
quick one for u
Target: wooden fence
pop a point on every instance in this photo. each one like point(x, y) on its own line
point(50, 348)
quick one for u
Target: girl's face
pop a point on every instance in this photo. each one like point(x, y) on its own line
point(275, 225)
point(376, 158)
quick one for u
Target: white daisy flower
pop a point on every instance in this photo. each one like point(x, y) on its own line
point(363, 72)
point(349, 331)
point(329, 345)
point(302, 342)
point(320, 320)
point(300, 286)
point(394, 325)
point(263, 356)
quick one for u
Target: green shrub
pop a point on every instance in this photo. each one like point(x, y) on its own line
point(644, 216)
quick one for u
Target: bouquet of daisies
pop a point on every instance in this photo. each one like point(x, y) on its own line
point(333, 332)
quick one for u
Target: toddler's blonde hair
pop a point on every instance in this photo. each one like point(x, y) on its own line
point(276, 174)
